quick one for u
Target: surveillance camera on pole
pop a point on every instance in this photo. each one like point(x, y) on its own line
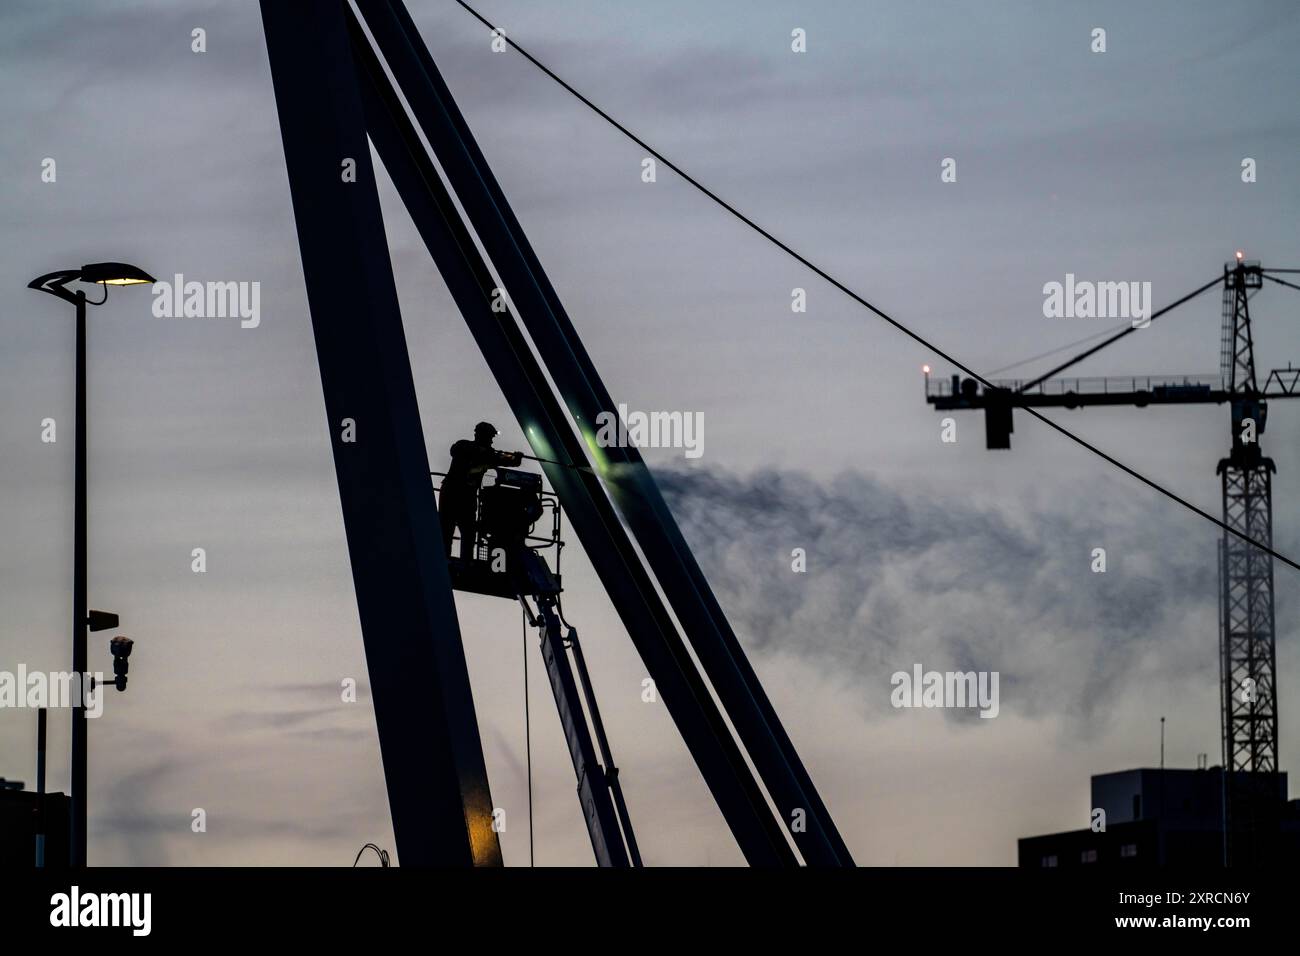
point(121, 649)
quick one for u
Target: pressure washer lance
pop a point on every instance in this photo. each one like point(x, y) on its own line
point(549, 461)
point(552, 461)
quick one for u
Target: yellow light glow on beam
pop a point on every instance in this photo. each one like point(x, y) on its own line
point(123, 282)
point(597, 453)
point(484, 844)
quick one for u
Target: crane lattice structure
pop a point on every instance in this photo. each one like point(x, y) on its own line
point(1247, 655)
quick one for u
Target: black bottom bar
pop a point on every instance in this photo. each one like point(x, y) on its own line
point(820, 909)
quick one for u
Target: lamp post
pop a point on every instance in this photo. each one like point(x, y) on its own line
point(54, 283)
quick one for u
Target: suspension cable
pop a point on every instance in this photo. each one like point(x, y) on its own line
point(862, 301)
point(1289, 285)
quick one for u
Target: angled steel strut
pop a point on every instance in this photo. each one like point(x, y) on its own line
point(424, 711)
point(328, 100)
point(633, 490)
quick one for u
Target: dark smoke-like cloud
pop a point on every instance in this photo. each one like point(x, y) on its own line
point(893, 579)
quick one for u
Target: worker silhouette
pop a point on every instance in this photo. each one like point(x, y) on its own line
point(458, 504)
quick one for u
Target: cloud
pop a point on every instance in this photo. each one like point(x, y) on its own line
point(896, 577)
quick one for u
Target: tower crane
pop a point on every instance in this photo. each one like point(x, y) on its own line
point(1247, 657)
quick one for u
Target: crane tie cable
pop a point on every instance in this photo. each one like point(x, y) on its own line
point(1059, 348)
point(860, 300)
point(1289, 285)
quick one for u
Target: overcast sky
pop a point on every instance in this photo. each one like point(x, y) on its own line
point(1123, 165)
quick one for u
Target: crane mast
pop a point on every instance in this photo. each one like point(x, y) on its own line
point(1248, 666)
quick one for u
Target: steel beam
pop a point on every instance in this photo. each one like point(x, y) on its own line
point(633, 490)
point(424, 711)
point(524, 385)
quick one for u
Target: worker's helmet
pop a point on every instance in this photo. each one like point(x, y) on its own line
point(485, 430)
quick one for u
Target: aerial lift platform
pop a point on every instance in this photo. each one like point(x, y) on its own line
point(518, 524)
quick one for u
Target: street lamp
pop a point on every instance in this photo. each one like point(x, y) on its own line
point(55, 283)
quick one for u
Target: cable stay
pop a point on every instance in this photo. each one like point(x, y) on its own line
point(869, 306)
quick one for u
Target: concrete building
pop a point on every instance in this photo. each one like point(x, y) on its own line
point(1159, 817)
